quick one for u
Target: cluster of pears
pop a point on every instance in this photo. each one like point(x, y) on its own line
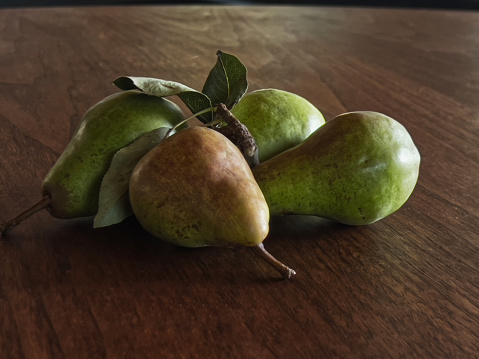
point(195, 188)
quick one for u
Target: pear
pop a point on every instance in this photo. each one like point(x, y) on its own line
point(277, 119)
point(196, 189)
point(71, 187)
point(356, 169)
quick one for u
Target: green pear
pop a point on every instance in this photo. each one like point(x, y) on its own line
point(73, 183)
point(196, 189)
point(356, 169)
point(277, 119)
point(71, 187)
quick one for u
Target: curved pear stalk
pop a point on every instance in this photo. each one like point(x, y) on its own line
point(239, 134)
point(286, 272)
point(12, 223)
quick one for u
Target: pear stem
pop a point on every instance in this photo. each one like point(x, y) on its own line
point(9, 225)
point(209, 109)
point(285, 271)
point(239, 134)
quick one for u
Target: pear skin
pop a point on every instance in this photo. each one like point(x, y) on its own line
point(196, 189)
point(356, 169)
point(73, 183)
point(277, 119)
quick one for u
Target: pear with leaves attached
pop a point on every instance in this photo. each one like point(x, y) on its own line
point(196, 189)
point(71, 188)
point(356, 169)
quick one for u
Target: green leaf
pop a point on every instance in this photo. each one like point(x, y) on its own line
point(114, 204)
point(227, 81)
point(195, 100)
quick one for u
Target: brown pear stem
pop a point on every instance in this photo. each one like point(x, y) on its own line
point(9, 225)
point(285, 271)
point(239, 134)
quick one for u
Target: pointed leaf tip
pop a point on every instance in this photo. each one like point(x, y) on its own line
point(227, 80)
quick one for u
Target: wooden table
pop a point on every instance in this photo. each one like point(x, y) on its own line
point(404, 287)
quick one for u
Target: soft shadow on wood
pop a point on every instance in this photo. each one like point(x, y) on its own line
point(71, 252)
point(303, 227)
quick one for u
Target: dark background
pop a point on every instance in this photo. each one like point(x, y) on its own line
point(450, 4)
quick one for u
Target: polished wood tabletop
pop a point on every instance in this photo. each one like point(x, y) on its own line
point(406, 286)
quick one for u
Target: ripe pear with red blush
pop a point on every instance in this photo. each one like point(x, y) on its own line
point(195, 189)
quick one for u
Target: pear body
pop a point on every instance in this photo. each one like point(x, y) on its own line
point(277, 119)
point(73, 183)
point(356, 169)
point(196, 189)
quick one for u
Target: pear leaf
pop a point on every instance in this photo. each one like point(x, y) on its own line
point(114, 204)
point(227, 81)
point(194, 100)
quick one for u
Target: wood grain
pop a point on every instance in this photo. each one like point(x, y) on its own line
point(404, 287)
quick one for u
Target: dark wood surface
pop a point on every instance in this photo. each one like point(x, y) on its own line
point(404, 287)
